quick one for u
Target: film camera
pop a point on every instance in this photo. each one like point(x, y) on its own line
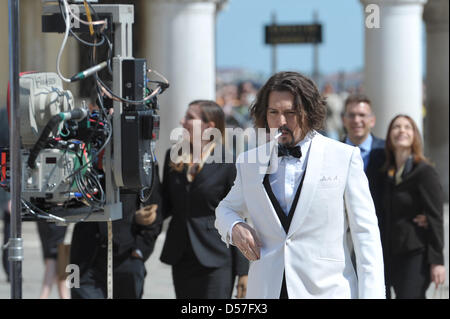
point(75, 160)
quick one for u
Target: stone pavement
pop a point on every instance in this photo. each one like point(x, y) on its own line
point(158, 284)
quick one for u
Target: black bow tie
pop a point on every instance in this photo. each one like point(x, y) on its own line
point(292, 151)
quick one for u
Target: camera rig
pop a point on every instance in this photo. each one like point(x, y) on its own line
point(75, 161)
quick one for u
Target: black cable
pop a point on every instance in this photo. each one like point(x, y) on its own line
point(107, 127)
point(42, 141)
point(124, 100)
point(162, 85)
point(143, 198)
point(78, 38)
point(110, 55)
point(88, 140)
point(110, 47)
point(81, 186)
point(87, 185)
point(31, 208)
point(101, 198)
point(32, 212)
point(98, 152)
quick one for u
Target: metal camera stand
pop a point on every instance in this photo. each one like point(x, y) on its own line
point(122, 19)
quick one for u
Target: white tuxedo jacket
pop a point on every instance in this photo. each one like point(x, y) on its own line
point(314, 253)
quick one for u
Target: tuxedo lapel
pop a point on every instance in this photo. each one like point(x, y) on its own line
point(310, 182)
point(264, 196)
point(275, 204)
point(264, 166)
point(284, 219)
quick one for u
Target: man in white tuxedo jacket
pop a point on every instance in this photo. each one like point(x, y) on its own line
point(301, 198)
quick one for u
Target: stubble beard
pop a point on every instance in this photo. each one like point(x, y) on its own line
point(287, 141)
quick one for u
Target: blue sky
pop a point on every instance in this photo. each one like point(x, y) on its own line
point(240, 35)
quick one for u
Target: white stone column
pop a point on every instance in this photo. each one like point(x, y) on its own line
point(39, 50)
point(180, 44)
point(436, 16)
point(393, 61)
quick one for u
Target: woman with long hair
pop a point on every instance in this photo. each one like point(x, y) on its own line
point(194, 183)
point(412, 233)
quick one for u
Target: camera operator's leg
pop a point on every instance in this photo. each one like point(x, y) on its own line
point(128, 279)
point(50, 277)
point(6, 234)
point(91, 287)
point(50, 235)
point(63, 291)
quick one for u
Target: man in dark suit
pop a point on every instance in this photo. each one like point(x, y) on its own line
point(359, 120)
point(134, 238)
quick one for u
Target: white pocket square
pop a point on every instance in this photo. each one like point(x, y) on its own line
point(329, 181)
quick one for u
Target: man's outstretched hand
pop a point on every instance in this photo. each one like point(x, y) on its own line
point(245, 238)
point(146, 215)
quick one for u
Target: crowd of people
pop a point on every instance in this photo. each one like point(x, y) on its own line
point(346, 214)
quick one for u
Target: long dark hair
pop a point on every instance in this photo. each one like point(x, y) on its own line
point(308, 102)
point(212, 112)
point(416, 147)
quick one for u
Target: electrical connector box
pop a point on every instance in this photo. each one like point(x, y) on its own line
point(49, 179)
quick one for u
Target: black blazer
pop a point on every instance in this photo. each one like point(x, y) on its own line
point(89, 237)
point(192, 208)
point(419, 193)
point(374, 174)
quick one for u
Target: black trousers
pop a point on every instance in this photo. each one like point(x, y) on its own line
point(192, 280)
point(410, 275)
point(128, 279)
point(6, 234)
